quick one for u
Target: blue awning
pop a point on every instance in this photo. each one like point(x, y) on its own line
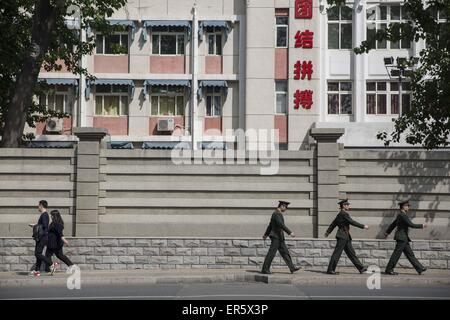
point(127, 23)
point(51, 144)
point(211, 83)
point(214, 145)
point(170, 82)
point(213, 23)
point(61, 81)
point(105, 82)
point(166, 23)
point(113, 22)
point(120, 145)
point(166, 145)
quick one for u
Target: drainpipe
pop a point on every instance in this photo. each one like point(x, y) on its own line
point(195, 127)
point(81, 121)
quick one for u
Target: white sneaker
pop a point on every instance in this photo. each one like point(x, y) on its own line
point(53, 267)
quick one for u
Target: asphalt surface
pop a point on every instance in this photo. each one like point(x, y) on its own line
point(228, 291)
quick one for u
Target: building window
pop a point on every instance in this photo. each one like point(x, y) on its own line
point(111, 100)
point(282, 32)
point(281, 97)
point(167, 101)
point(214, 102)
point(214, 36)
point(382, 98)
point(112, 44)
point(339, 97)
point(379, 18)
point(340, 27)
point(56, 98)
point(168, 40)
point(444, 24)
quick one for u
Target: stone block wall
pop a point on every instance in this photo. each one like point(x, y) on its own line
point(17, 254)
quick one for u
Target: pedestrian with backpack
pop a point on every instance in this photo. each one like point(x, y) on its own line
point(40, 235)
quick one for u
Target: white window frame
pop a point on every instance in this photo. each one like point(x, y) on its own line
point(387, 22)
point(285, 93)
point(111, 94)
point(279, 26)
point(340, 22)
point(114, 34)
point(389, 94)
point(217, 92)
point(67, 101)
point(176, 95)
point(340, 92)
point(162, 33)
point(214, 34)
point(439, 21)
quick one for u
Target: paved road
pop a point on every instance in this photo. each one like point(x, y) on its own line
point(224, 291)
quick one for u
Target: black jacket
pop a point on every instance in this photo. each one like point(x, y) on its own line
point(276, 227)
point(42, 224)
point(55, 233)
point(343, 222)
point(403, 223)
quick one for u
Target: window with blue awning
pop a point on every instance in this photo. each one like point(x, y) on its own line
point(106, 82)
point(211, 83)
point(225, 25)
point(60, 81)
point(127, 23)
point(166, 23)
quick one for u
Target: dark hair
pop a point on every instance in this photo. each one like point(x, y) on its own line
point(44, 204)
point(56, 217)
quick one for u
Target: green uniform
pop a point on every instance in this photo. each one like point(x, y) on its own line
point(344, 240)
point(275, 231)
point(403, 223)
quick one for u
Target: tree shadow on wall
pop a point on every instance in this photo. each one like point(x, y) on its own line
point(423, 176)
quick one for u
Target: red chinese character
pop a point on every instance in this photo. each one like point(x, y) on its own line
point(305, 69)
point(303, 98)
point(297, 70)
point(304, 39)
point(303, 9)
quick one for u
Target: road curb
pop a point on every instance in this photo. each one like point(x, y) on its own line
point(238, 277)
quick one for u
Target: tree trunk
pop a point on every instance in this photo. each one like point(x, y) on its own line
point(44, 22)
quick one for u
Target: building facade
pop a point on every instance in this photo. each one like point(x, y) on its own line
point(190, 71)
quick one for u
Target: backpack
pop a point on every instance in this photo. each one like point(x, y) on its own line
point(38, 232)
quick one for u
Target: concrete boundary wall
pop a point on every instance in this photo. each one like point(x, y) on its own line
point(108, 253)
point(30, 175)
point(117, 192)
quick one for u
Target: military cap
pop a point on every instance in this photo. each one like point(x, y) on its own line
point(283, 203)
point(343, 201)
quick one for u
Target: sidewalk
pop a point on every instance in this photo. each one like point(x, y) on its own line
point(170, 276)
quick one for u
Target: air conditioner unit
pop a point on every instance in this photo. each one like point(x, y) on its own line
point(54, 125)
point(166, 124)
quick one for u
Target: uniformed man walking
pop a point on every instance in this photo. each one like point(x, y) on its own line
point(275, 231)
point(403, 223)
point(344, 239)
